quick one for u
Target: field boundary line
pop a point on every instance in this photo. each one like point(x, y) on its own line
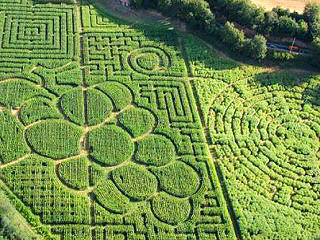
point(228, 200)
point(205, 129)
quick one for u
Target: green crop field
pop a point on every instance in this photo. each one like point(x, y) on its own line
point(109, 130)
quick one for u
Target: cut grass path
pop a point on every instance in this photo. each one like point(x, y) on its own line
point(14, 221)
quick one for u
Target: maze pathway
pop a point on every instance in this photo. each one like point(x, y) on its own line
point(100, 134)
point(262, 128)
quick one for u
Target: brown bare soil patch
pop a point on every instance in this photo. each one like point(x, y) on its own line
point(293, 5)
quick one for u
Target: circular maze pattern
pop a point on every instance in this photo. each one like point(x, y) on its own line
point(268, 139)
point(148, 60)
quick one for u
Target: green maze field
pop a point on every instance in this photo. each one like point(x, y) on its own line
point(114, 131)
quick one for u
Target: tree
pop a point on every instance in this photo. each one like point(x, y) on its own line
point(316, 44)
point(165, 5)
point(137, 3)
point(315, 29)
point(281, 11)
point(312, 14)
point(303, 29)
point(270, 22)
point(198, 13)
point(287, 25)
point(257, 47)
point(316, 58)
point(232, 36)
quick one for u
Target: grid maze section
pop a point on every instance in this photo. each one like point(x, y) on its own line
point(170, 96)
point(33, 181)
point(93, 21)
point(38, 32)
point(21, 2)
point(131, 54)
point(13, 67)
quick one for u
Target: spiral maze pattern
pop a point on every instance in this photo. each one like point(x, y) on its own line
point(268, 140)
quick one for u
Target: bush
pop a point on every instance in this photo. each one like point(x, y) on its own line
point(316, 60)
point(281, 55)
point(287, 26)
point(195, 12)
point(55, 1)
point(312, 14)
point(257, 47)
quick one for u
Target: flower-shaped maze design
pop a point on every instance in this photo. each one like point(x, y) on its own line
point(106, 146)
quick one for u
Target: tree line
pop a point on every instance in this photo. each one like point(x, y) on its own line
point(278, 22)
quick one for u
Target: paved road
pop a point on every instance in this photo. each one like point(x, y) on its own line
point(285, 48)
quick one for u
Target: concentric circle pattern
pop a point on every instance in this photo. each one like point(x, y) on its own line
point(148, 60)
point(268, 138)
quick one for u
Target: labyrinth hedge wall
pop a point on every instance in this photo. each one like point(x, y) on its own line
point(101, 137)
point(114, 131)
point(263, 130)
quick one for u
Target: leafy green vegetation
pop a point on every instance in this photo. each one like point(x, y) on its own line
point(137, 121)
point(120, 94)
point(12, 145)
point(109, 196)
point(135, 181)
point(173, 179)
point(110, 145)
point(99, 107)
point(155, 150)
point(169, 209)
point(264, 134)
point(54, 138)
point(105, 134)
point(72, 105)
point(74, 173)
point(34, 182)
point(13, 225)
point(37, 109)
point(15, 92)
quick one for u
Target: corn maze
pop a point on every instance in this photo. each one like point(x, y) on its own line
point(100, 135)
point(263, 130)
point(108, 131)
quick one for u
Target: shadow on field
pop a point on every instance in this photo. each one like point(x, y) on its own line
point(167, 31)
